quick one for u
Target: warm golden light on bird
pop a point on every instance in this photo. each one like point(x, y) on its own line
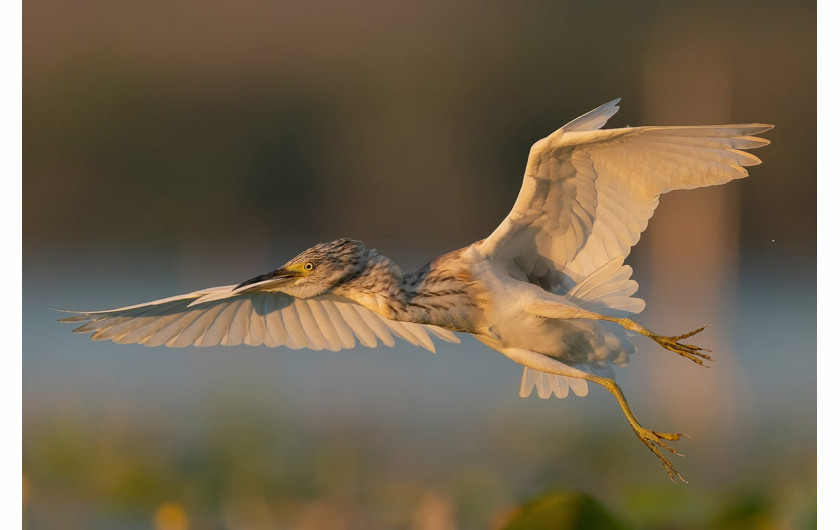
point(548, 288)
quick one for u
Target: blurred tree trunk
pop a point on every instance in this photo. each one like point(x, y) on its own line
point(692, 244)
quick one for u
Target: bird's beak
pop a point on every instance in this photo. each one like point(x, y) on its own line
point(275, 277)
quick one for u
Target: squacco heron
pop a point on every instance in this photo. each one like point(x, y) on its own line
point(548, 288)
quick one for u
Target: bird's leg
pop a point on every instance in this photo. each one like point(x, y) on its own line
point(694, 353)
point(689, 351)
point(653, 440)
point(650, 438)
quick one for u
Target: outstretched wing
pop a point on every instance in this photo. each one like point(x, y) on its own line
point(588, 194)
point(225, 316)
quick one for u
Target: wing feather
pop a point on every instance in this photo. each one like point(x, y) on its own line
point(316, 339)
point(274, 321)
point(295, 337)
point(192, 331)
point(402, 332)
point(239, 324)
point(196, 331)
point(345, 334)
point(176, 341)
point(588, 194)
point(360, 329)
point(256, 331)
point(419, 333)
point(324, 324)
point(112, 327)
point(443, 334)
point(374, 322)
point(174, 327)
point(144, 328)
point(223, 315)
point(218, 329)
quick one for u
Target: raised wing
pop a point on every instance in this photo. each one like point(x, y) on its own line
point(223, 316)
point(588, 194)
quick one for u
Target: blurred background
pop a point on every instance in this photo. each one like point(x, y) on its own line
point(170, 146)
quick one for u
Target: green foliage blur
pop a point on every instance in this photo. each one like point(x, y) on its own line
point(563, 510)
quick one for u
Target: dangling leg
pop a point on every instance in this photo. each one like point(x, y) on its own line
point(689, 351)
point(650, 438)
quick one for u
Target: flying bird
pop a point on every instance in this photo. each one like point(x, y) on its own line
point(548, 288)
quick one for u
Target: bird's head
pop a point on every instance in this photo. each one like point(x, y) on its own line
point(314, 271)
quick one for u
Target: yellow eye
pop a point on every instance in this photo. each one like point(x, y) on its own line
point(308, 266)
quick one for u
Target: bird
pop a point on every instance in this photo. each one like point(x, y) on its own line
point(548, 288)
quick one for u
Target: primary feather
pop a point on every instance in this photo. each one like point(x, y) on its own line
point(231, 318)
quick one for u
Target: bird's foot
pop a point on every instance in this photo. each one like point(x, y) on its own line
point(689, 351)
point(654, 441)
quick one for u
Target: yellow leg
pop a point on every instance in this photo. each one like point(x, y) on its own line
point(650, 438)
point(653, 440)
point(689, 351)
point(550, 309)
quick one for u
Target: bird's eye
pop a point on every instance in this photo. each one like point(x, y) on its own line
point(308, 266)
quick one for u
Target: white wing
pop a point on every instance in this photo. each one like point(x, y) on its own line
point(588, 194)
point(220, 316)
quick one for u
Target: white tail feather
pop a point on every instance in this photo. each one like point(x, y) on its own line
point(548, 384)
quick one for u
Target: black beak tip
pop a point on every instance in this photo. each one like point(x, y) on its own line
point(256, 279)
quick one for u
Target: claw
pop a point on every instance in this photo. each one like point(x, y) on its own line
point(670, 436)
point(652, 439)
point(676, 435)
point(689, 351)
point(690, 333)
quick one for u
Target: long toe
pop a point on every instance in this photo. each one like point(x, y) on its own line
point(654, 440)
point(689, 351)
point(672, 436)
point(689, 334)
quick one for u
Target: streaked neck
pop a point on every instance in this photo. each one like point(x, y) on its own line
point(438, 293)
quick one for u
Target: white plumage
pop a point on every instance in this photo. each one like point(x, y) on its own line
point(229, 318)
point(548, 288)
point(588, 194)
